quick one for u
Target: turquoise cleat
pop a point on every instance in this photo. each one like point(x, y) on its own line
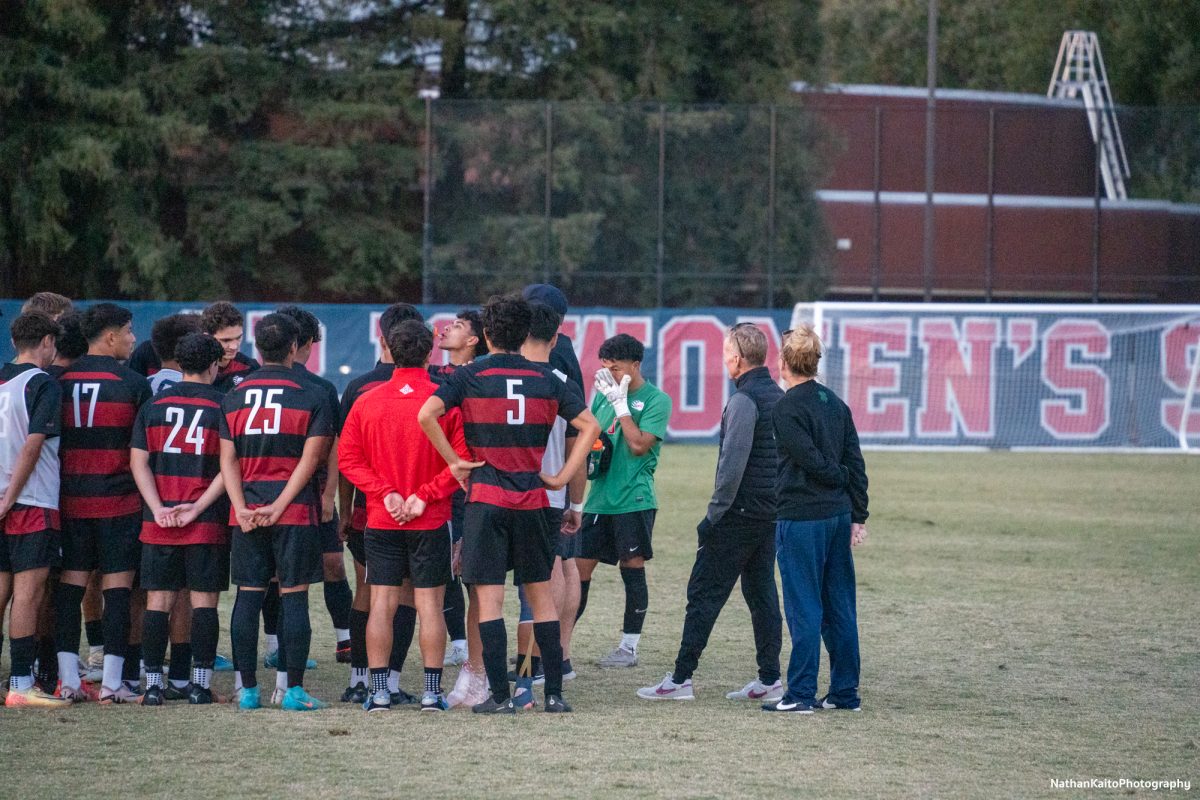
point(297, 699)
point(222, 664)
point(248, 699)
point(271, 661)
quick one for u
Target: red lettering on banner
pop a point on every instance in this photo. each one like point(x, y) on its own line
point(959, 386)
point(1084, 412)
point(767, 325)
point(862, 342)
point(1178, 351)
point(588, 333)
point(707, 335)
point(1022, 338)
point(316, 359)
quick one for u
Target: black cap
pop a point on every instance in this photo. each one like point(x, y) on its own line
point(548, 295)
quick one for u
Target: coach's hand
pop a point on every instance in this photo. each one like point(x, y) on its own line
point(328, 507)
point(461, 470)
point(414, 506)
point(393, 503)
point(5, 506)
point(617, 394)
point(858, 533)
point(247, 519)
point(571, 521)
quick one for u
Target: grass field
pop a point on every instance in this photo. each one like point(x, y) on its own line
point(1023, 618)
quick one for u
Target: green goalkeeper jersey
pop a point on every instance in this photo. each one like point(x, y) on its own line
point(628, 484)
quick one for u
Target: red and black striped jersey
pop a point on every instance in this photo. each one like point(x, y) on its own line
point(100, 401)
point(180, 429)
point(233, 373)
point(440, 373)
point(509, 405)
point(269, 417)
point(380, 375)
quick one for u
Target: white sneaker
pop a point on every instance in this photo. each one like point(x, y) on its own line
point(277, 696)
point(759, 691)
point(619, 657)
point(456, 655)
point(668, 690)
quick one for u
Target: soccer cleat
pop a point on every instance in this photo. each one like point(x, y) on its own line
point(153, 696)
point(620, 657)
point(342, 653)
point(271, 661)
point(248, 698)
point(277, 695)
point(556, 705)
point(119, 696)
point(34, 697)
point(356, 694)
point(222, 664)
point(830, 705)
point(524, 698)
point(73, 694)
point(380, 701)
point(490, 706)
point(456, 655)
point(402, 698)
point(297, 699)
point(199, 696)
point(433, 701)
point(173, 692)
point(788, 706)
point(668, 689)
point(757, 690)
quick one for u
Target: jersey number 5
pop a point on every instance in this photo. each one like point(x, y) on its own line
point(517, 417)
point(255, 399)
point(195, 434)
point(76, 395)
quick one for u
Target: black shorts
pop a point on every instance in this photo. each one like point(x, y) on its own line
point(290, 552)
point(330, 541)
point(25, 551)
point(196, 567)
point(110, 545)
point(422, 557)
point(356, 546)
point(497, 539)
point(613, 537)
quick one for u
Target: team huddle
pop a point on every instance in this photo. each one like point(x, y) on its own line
point(137, 484)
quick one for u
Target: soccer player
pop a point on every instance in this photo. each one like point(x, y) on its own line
point(30, 409)
point(176, 461)
point(164, 336)
point(353, 526)
point(225, 323)
point(408, 507)
point(336, 588)
point(618, 518)
point(562, 356)
point(101, 508)
point(69, 345)
point(274, 435)
point(509, 406)
point(736, 538)
point(53, 305)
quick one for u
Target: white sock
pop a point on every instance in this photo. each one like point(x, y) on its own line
point(21, 683)
point(237, 681)
point(281, 680)
point(154, 679)
point(202, 677)
point(68, 669)
point(343, 634)
point(113, 667)
point(393, 680)
point(178, 684)
point(272, 643)
point(358, 676)
point(630, 641)
point(459, 644)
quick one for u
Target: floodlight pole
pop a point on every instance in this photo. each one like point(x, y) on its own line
point(428, 95)
point(930, 101)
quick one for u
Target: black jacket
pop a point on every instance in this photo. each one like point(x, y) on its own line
point(747, 463)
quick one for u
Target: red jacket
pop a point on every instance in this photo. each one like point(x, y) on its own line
point(383, 449)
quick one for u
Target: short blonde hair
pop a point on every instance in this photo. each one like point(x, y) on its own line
point(51, 304)
point(750, 341)
point(802, 351)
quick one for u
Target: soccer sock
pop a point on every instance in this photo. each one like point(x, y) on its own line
point(403, 625)
point(270, 612)
point(379, 680)
point(281, 659)
point(22, 651)
point(566, 667)
point(637, 598)
point(433, 679)
point(205, 627)
point(131, 670)
point(47, 660)
point(181, 663)
point(156, 626)
point(583, 593)
point(455, 612)
point(68, 616)
point(358, 643)
point(95, 633)
point(495, 652)
point(629, 641)
point(393, 680)
point(549, 641)
point(338, 601)
point(243, 632)
point(116, 634)
point(114, 666)
point(296, 630)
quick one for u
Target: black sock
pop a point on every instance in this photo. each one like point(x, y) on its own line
point(583, 592)
point(549, 641)
point(22, 652)
point(47, 660)
point(68, 616)
point(455, 611)
point(270, 609)
point(339, 600)
point(403, 625)
point(637, 598)
point(116, 621)
point(243, 632)
point(495, 651)
point(433, 679)
point(95, 632)
point(358, 638)
point(181, 661)
point(156, 626)
point(535, 664)
point(296, 630)
point(379, 679)
point(205, 627)
point(132, 670)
